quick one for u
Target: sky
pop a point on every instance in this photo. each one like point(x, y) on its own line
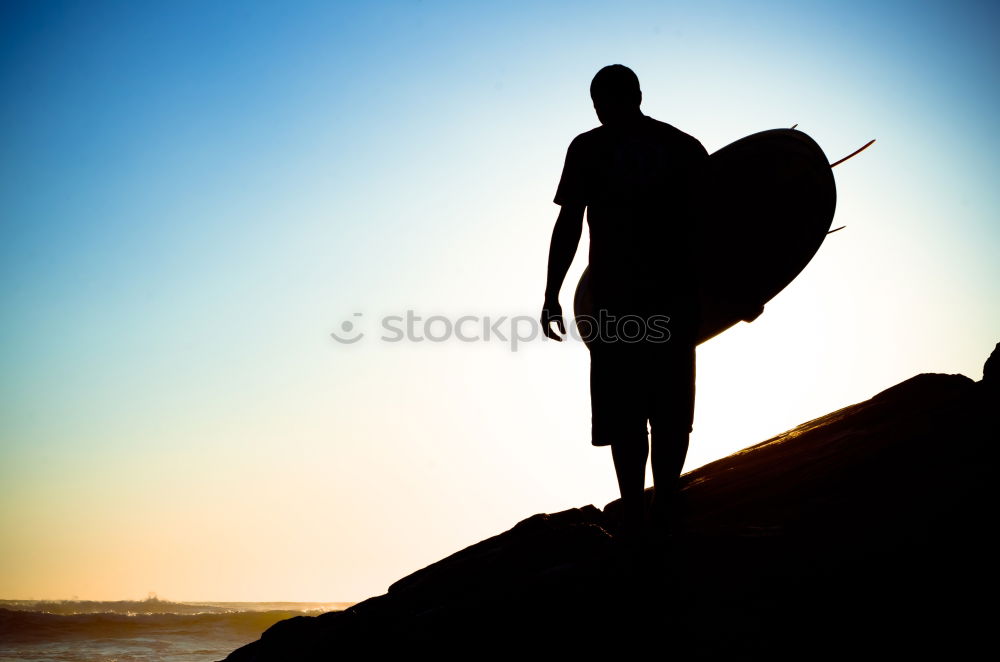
point(194, 196)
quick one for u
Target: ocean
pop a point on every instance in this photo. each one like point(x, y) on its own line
point(138, 631)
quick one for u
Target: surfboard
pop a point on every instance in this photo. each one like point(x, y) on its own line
point(766, 203)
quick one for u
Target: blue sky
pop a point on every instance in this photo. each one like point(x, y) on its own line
point(193, 195)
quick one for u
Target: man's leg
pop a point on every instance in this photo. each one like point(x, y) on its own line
point(630, 465)
point(668, 453)
point(671, 425)
point(619, 421)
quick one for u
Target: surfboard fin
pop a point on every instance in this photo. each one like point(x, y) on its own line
point(854, 153)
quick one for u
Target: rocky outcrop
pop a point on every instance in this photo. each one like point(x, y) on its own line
point(991, 371)
point(862, 531)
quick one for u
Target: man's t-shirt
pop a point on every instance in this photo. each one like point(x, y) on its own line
point(637, 182)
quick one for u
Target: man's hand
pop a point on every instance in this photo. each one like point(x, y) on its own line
point(552, 312)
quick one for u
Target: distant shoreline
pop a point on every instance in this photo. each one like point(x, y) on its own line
point(155, 605)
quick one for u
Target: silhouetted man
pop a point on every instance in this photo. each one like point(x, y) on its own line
point(634, 176)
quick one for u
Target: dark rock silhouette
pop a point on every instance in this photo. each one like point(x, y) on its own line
point(991, 370)
point(863, 532)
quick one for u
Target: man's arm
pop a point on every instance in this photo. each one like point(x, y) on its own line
point(565, 240)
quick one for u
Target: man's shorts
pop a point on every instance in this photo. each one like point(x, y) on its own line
point(632, 384)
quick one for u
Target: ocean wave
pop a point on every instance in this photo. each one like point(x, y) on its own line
point(35, 625)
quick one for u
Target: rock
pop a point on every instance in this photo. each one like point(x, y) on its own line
point(865, 529)
point(991, 369)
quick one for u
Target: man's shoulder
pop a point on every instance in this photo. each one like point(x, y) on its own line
point(672, 134)
point(585, 147)
point(591, 142)
point(586, 138)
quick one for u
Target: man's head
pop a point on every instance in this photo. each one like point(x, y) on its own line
point(616, 94)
